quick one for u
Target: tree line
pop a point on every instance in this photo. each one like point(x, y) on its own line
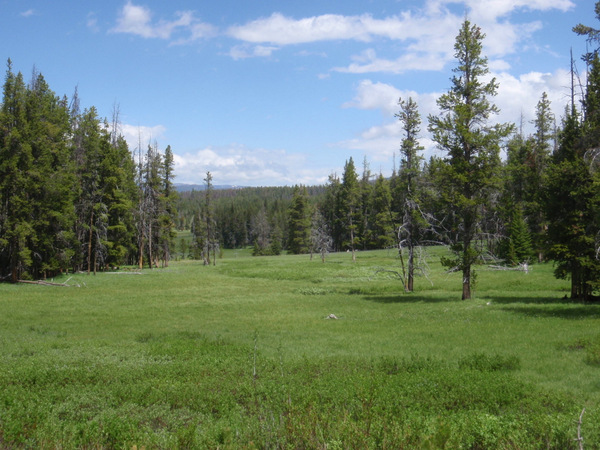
point(72, 195)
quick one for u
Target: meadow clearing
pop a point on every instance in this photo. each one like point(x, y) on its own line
point(242, 355)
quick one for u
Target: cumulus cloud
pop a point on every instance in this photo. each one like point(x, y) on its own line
point(424, 32)
point(137, 135)
point(137, 20)
point(517, 99)
point(368, 62)
point(278, 29)
point(245, 166)
point(492, 9)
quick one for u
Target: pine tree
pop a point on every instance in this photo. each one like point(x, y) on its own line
point(91, 227)
point(120, 196)
point(350, 204)
point(299, 222)
point(36, 180)
point(261, 232)
point(15, 161)
point(472, 147)
point(382, 226)
point(411, 228)
point(572, 205)
point(543, 143)
point(211, 241)
point(364, 232)
point(51, 180)
point(167, 211)
point(332, 211)
point(518, 248)
point(572, 191)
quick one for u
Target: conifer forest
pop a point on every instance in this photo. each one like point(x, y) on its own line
point(75, 197)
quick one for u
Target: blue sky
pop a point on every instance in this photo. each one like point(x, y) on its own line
point(264, 93)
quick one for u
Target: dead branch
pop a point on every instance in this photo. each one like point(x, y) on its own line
point(124, 273)
point(49, 283)
point(579, 438)
point(523, 267)
point(398, 274)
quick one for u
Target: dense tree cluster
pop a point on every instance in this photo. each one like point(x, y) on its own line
point(72, 196)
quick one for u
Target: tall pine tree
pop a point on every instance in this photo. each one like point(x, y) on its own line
point(472, 147)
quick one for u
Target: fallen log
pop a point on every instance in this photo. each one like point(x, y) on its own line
point(48, 283)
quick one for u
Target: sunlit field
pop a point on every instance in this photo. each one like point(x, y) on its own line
point(244, 355)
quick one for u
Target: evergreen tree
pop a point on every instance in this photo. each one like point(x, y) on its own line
point(36, 180)
point(411, 229)
point(15, 161)
point(517, 247)
point(199, 238)
point(592, 35)
point(332, 211)
point(299, 222)
point(543, 143)
point(91, 228)
point(382, 226)
point(211, 228)
point(167, 211)
point(462, 130)
point(350, 205)
point(572, 204)
point(51, 180)
point(364, 233)
point(572, 191)
point(261, 232)
point(119, 195)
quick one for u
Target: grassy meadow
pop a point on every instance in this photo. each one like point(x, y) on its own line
point(242, 355)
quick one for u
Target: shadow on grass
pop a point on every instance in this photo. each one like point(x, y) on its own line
point(408, 298)
point(561, 311)
point(528, 300)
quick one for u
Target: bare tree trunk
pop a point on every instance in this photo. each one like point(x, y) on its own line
point(352, 237)
point(90, 243)
point(466, 294)
point(150, 244)
point(141, 254)
point(411, 269)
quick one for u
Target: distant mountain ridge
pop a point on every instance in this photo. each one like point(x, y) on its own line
point(184, 187)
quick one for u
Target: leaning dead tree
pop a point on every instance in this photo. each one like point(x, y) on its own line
point(320, 238)
point(409, 232)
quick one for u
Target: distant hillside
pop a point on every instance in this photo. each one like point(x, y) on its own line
point(183, 187)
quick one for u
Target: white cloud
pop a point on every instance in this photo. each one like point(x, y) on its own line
point(367, 62)
point(425, 32)
point(240, 165)
point(28, 13)
point(245, 51)
point(489, 10)
point(517, 98)
point(371, 95)
point(280, 30)
point(140, 136)
point(92, 22)
point(520, 95)
point(137, 20)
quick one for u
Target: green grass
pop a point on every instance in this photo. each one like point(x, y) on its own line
point(242, 355)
